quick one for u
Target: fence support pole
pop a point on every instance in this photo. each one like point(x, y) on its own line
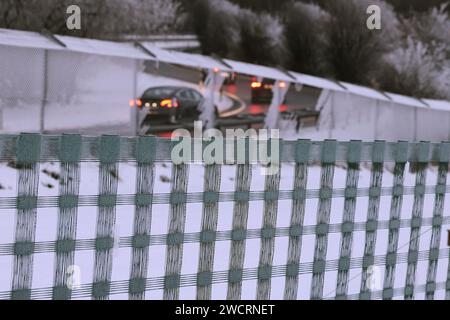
point(44, 93)
point(213, 84)
point(134, 114)
point(1, 116)
point(416, 123)
point(279, 91)
point(377, 111)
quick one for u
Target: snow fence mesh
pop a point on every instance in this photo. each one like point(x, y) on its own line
point(346, 235)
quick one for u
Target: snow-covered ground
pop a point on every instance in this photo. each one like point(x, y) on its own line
point(86, 226)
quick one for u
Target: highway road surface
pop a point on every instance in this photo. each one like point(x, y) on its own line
point(296, 98)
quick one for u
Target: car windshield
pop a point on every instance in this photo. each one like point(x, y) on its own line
point(159, 93)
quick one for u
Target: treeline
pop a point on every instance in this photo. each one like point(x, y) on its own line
point(271, 6)
point(100, 18)
point(409, 55)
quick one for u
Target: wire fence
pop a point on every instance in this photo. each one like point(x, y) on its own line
point(322, 260)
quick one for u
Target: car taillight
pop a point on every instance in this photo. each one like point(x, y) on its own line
point(169, 103)
point(166, 103)
point(256, 84)
point(136, 102)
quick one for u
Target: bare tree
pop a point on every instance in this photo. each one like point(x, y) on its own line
point(100, 18)
point(421, 65)
point(157, 16)
point(431, 27)
point(227, 30)
point(20, 14)
point(415, 70)
point(262, 38)
point(354, 51)
point(216, 23)
point(306, 38)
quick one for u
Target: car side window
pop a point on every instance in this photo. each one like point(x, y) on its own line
point(185, 95)
point(196, 96)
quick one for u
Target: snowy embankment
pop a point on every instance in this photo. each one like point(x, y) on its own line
point(86, 226)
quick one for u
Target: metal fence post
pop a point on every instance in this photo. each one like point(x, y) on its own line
point(44, 93)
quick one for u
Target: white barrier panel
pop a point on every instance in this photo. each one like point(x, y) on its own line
point(346, 116)
point(83, 90)
point(86, 82)
point(87, 90)
point(21, 88)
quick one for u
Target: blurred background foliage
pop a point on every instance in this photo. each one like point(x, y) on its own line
point(409, 55)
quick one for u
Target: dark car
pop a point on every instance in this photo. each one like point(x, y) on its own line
point(170, 102)
point(262, 90)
